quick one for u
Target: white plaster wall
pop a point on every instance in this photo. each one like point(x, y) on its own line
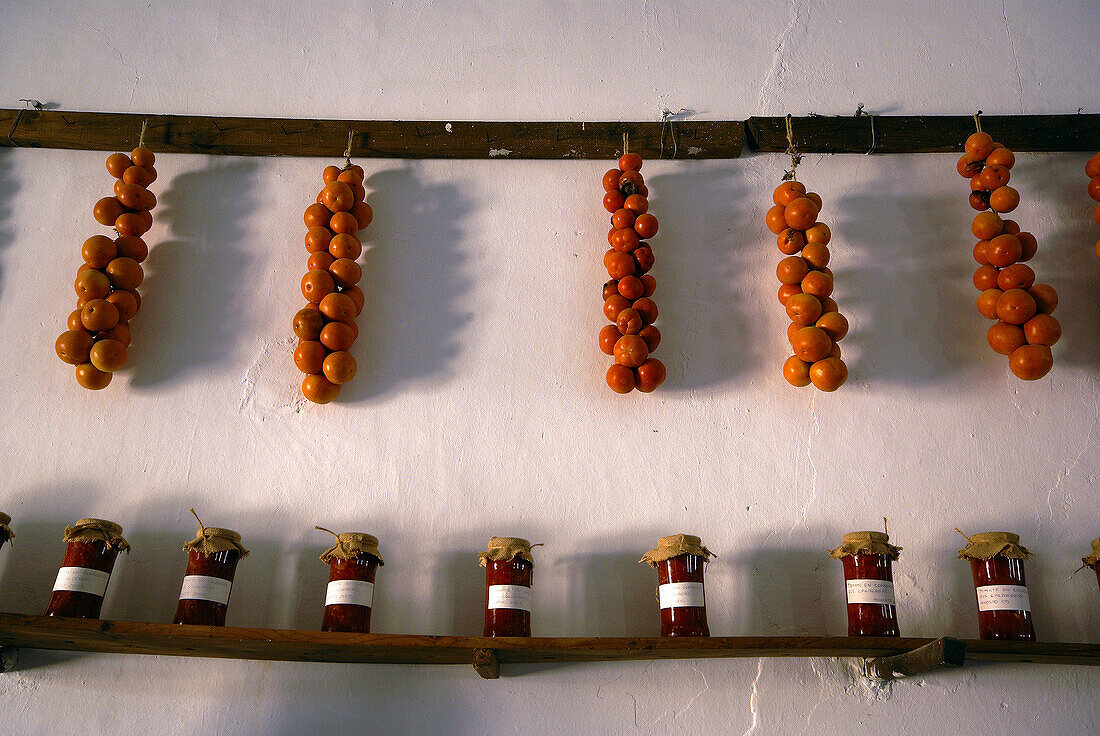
point(480, 406)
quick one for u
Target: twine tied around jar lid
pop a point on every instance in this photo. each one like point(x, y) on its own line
point(97, 530)
point(4, 521)
point(212, 539)
point(866, 543)
point(507, 548)
point(987, 545)
point(350, 545)
point(675, 545)
point(1093, 558)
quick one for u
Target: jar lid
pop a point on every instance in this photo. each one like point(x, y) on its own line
point(350, 545)
point(213, 539)
point(507, 548)
point(987, 545)
point(4, 521)
point(97, 530)
point(870, 543)
point(1093, 558)
point(675, 545)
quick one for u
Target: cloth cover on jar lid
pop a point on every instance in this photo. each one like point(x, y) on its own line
point(1093, 558)
point(97, 530)
point(350, 545)
point(507, 548)
point(212, 539)
point(866, 543)
point(675, 545)
point(987, 545)
point(4, 521)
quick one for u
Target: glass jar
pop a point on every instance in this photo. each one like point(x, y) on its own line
point(508, 571)
point(869, 583)
point(679, 560)
point(997, 565)
point(5, 531)
point(91, 546)
point(212, 559)
point(352, 564)
point(1093, 558)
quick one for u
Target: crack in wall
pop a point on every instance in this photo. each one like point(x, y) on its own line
point(752, 699)
point(1015, 60)
point(778, 66)
point(1064, 472)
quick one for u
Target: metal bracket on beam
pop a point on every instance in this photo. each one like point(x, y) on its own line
point(943, 653)
point(486, 664)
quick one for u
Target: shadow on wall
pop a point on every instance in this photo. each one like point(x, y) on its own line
point(1065, 258)
point(195, 296)
point(704, 333)
point(8, 188)
point(610, 595)
point(903, 267)
point(413, 277)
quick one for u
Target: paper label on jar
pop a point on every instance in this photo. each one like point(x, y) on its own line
point(681, 595)
point(1003, 598)
point(871, 591)
point(350, 593)
point(205, 588)
point(517, 597)
point(82, 580)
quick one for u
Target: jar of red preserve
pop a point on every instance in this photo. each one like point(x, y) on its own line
point(6, 533)
point(1093, 558)
point(679, 560)
point(212, 559)
point(508, 565)
point(997, 563)
point(352, 563)
point(869, 583)
point(91, 546)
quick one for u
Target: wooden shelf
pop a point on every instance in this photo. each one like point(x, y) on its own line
point(128, 637)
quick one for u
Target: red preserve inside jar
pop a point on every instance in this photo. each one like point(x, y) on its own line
point(869, 583)
point(353, 562)
point(212, 559)
point(679, 560)
point(508, 574)
point(997, 565)
point(92, 545)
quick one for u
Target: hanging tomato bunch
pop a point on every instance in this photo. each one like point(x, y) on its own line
point(106, 284)
point(806, 292)
point(1025, 327)
point(326, 327)
point(627, 296)
point(1092, 170)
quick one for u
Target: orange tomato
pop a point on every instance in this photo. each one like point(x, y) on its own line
point(90, 377)
point(613, 200)
point(987, 303)
point(774, 219)
point(1094, 188)
point(337, 196)
point(1004, 338)
point(834, 324)
point(630, 162)
point(816, 255)
point(339, 367)
point(649, 284)
point(979, 145)
point(631, 351)
point(132, 246)
point(73, 346)
point(343, 223)
point(815, 198)
point(320, 260)
point(1016, 276)
point(91, 284)
point(632, 288)
point(629, 322)
point(811, 344)
point(337, 336)
point(117, 163)
point(980, 252)
point(652, 337)
point(1046, 298)
point(99, 315)
point(107, 355)
point(1004, 250)
point(1004, 199)
point(619, 264)
point(650, 375)
point(987, 225)
point(643, 258)
point(613, 305)
point(337, 307)
point(647, 308)
point(125, 273)
point(636, 203)
point(621, 379)
point(1001, 157)
point(1042, 329)
point(787, 192)
point(993, 177)
point(316, 215)
point(1031, 362)
point(622, 217)
point(791, 270)
point(1092, 166)
point(132, 224)
point(786, 291)
point(98, 251)
point(818, 283)
point(611, 180)
point(1028, 245)
point(1016, 306)
point(820, 233)
point(790, 241)
point(107, 210)
point(309, 356)
point(139, 175)
point(125, 302)
point(345, 272)
point(796, 371)
point(968, 167)
point(316, 285)
point(142, 156)
point(609, 335)
point(308, 324)
point(625, 240)
point(829, 374)
point(319, 389)
point(363, 214)
point(344, 245)
point(317, 239)
point(800, 214)
point(330, 174)
point(645, 225)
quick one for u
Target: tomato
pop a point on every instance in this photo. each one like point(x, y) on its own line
point(829, 374)
point(621, 379)
point(350, 176)
point(1031, 362)
point(338, 336)
point(132, 224)
point(73, 346)
point(647, 308)
point(819, 233)
point(125, 273)
point(1028, 246)
point(316, 215)
point(629, 322)
point(652, 337)
point(1094, 188)
point(609, 335)
point(631, 182)
point(309, 355)
point(308, 324)
point(1004, 250)
point(650, 375)
point(73, 322)
point(649, 285)
point(90, 377)
point(1092, 166)
point(791, 270)
point(98, 315)
point(1016, 276)
point(801, 213)
point(345, 272)
point(816, 255)
point(834, 324)
point(625, 240)
point(1004, 199)
point(645, 225)
point(337, 307)
point(993, 177)
point(1004, 338)
point(796, 371)
point(344, 245)
point(343, 223)
point(317, 239)
point(125, 302)
point(787, 192)
point(98, 251)
point(614, 200)
point(643, 258)
point(786, 291)
point(117, 163)
point(1001, 157)
point(811, 344)
point(987, 303)
point(630, 162)
point(132, 247)
point(632, 288)
point(818, 283)
point(119, 332)
point(611, 180)
point(979, 200)
point(320, 260)
point(979, 145)
point(107, 210)
point(620, 264)
point(636, 203)
point(610, 287)
point(142, 156)
point(1016, 306)
point(804, 309)
point(790, 241)
point(987, 225)
point(631, 351)
point(107, 355)
point(363, 214)
point(337, 196)
point(92, 284)
point(319, 389)
point(775, 220)
point(815, 198)
point(981, 252)
point(1046, 298)
point(316, 285)
point(968, 167)
point(614, 305)
point(339, 367)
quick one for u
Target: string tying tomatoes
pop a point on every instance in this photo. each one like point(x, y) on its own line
point(628, 305)
point(98, 333)
point(326, 327)
point(1025, 328)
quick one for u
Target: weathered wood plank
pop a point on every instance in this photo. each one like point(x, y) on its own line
point(101, 131)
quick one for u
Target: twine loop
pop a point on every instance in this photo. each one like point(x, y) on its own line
point(871, 118)
point(668, 119)
point(347, 161)
point(978, 126)
point(796, 157)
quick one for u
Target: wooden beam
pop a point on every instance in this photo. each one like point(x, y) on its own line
point(923, 133)
point(104, 131)
point(43, 632)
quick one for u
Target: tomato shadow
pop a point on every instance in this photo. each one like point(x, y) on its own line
point(902, 269)
point(8, 188)
point(195, 297)
point(1065, 258)
point(414, 280)
point(701, 274)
